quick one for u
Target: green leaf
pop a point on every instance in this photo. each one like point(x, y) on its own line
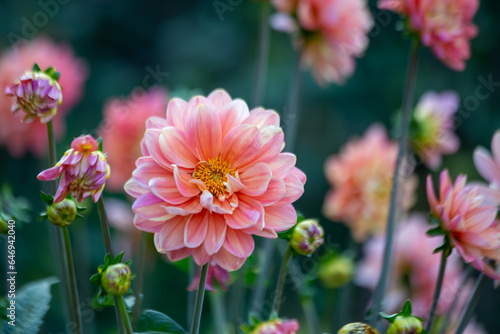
point(96, 279)
point(118, 258)
point(155, 322)
point(46, 198)
point(389, 317)
point(36, 68)
point(99, 141)
point(108, 260)
point(435, 231)
point(406, 308)
point(32, 303)
point(51, 72)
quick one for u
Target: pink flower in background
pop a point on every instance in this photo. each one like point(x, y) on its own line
point(444, 26)
point(84, 171)
point(19, 138)
point(126, 124)
point(213, 175)
point(332, 34)
point(361, 177)
point(216, 277)
point(434, 135)
point(470, 222)
point(277, 326)
point(488, 165)
point(414, 269)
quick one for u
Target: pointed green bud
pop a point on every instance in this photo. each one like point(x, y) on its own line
point(307, 236)
point(405, 325)
point(63, 213)
point(116, 279)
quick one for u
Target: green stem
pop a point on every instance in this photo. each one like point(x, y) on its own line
point(407, 106)
point(72, 281)
point(292, 114)
point(218, 309)
point(124, 314)
point(471, 303)
point(311, 314)
point(198, 307)
point(139, 278)
point(260, 287)
point(263, 52)
point(437, 291)
point(281, 281)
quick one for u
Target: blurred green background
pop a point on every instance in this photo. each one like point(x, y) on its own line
point(200, 51)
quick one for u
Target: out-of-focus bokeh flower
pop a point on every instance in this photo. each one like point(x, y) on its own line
point(336, 272)
point(330, 34)
point(277, 326)
point(19, 138)
point(361, 177)
point(213, 175)
point(414, 270)
point(307, 236)
point(216, 277)
point(470, 223)
point(433, 134)
point(488, 165)
point(84, 171)
point(123, 130)
point(444, 26)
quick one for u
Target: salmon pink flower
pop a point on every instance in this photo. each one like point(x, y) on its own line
point(277, 326)
point(329, 33)
point(469, 223)
point(361, 177)
point(84, 171)
point(213, 175)
point(445, 26)
point(488, 165)
point(216, 277)
point(125, 121)
point(433, 120)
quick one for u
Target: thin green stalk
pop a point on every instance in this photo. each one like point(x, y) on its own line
point(471, 303)
point(218, 309)
point(195, 324)
point(124, 314)
point(311, 315)
point(292, 114)
point(407, 106)
point(281, 281)
point(139, 278)
point(72, 280)
point(191, 294)
point(262, 54)
point(437, 292)
point(260, 287)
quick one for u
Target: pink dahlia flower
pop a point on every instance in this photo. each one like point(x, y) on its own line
point(277, 326)
point(332, 34)
point(361, 177)
point(470, 222)
point(414, 270)
point(444, 26)
point(84, 171)
point(124, 129)
point(488, 165)
point(213, 175)
point(19, 138)
point(216, 277)
point(434, 136)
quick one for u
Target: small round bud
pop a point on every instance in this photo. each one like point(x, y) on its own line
point(405, 325)
point(63, 213)
point(357, 328)
point(307, 237)
point(116, 279)
point(336, 272)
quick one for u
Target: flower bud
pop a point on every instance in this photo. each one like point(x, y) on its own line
point(63, 213)
point(307, 236)
point(116, 279)
point(358, 328)
point(336, 272)
point(405, 325)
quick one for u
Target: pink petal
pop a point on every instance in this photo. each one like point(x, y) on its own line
point(51, 173)
point(175, 147)
point(179, 254)
point(280, 217)
point(196, 229)
point(148, 170)
point(134, 188)
point(256, 179)
point(294, 188)
point(299, 174)
point(200, 256)
point(147, 225)
point(235, 184)
point(241, 144)
point(444, 184)
point(166, 189)
point(150, 207)
point(243, 216)
point(175, 113)
point(486, 166)
point(155, 122)
point(185, 187)
point(228, 261)
point(495, 147)
point(216, 233)
point(220, 98)
point(272, 144)
point(171, 236)
point(193, 205)
point(275, 191)
point(267, 233)
point(262, 118)
point(152, 143)
point(282, 164)
point(431, 196)
point(194, 103)
point(203, 131)
point(239, 243)
point(233, 115)
point(256, 205)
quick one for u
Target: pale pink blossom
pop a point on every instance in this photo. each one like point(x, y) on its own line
point(213, 174)
point(277, 326)
point(414, 268)
point(330, 34)
point(19, 138)
point(361, 178)
point(83, 170)
point(445, 26)
point(434, 136)
point(488, 165)
point(123, 129)
point(470, 223)
point(216, 277)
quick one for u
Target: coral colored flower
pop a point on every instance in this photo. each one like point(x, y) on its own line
point(445, 26)
point(37, 94)
point(330, 34)
point(84, 171)
point(125, 121)
point(277, 326)
point(20, 138)
point(216, 277)
point(433, 119)
point(213, 175)
point(361, 177)
point(488, 165)
point(469, 222)
point(414, 270)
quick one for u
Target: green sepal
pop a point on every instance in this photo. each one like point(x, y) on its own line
point(95, 279)
point(36, 68)
point(435, 231)
point(108, 260)
point(99, 142)
point(51, 72)
point(389, 317)
point(79, 215)
point(42, 216)
point(406, 309)
point(48, 199)
point(80, 208)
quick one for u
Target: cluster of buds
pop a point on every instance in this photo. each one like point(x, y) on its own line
point(306, 236)
point(37, 93)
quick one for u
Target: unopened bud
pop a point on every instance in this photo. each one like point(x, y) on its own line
point(358, 328)
point(63, 213)
point(405, 325)
point(336, 272)
point(116, 279)
point(307, 237)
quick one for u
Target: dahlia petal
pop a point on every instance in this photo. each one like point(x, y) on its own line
point(280, 217)
point(166, 189)
point(194, 103)
point(134, 188)
point(185, 187)
point(263, 117)
point(196, 229)
point(97, 194)
point(147, 225)
point(51, 173)
point(216, 233)
point(256, 179)
point(238, 243)
point(294, 188)
point(236, 184)
point(148, 170)
point(243, 216)
point(203, 132)
point(233, 115)
point(256, 205)
point(155, 122)
point(191, 206)
point(152, 144)
point(228, 261)
point(171, 236)
point(486, 166)
point(150, 207)
point(299, 174)
point(431, 196)
point(276, 190)
point(220, 98)
point(207, 200)
point(241, 144)
point(174, 147)
point(481, 219)
point(485, 268)
point(221, 207)
point(177, 255)
point(267, 233)
point(200, 256)
point(272, 144)
point(495, 147)
point(282, 164)
point(175, 113)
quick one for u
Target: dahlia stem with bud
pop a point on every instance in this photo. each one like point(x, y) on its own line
point(471, 303)
point(403, 137)
point(437, 291)
point(198, 307)
point(281, 281)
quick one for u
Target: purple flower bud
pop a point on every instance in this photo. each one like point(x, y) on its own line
point(116, 279)
point(307, 236)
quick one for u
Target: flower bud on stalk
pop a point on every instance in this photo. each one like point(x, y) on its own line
point(116, 279)
point(405, 325)
point(307, 236)
point(63, 213)
point(358, 328)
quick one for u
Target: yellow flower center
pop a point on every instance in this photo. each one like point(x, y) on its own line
point(213, 174)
